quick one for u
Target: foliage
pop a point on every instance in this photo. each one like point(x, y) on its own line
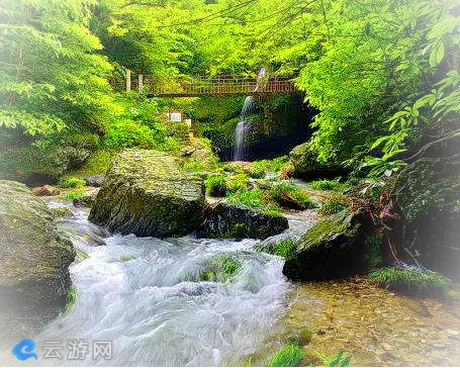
point(324, 184)
point(287, 193)
point(332, 207)
point(254, 198)
point(415, 279)
point(216, 185)
point(73, 182)
point(74, 194)
point(289, 355)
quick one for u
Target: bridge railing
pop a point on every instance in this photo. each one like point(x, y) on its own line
point(203, 85)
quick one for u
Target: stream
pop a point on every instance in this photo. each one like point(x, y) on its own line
point(142, 294)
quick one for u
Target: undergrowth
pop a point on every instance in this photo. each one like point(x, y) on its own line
point(396, 278)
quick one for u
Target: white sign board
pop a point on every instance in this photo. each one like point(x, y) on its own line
point(175, 116)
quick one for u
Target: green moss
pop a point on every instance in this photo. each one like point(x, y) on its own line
point(216, 185)
point(288, 194)
point(71, 299)
point(409, 279)
point(237, 182)
point(248, 168)
point(289, 355)
point(220, 268)
point(285, 248)
point(332, 207)
point(324, 184)
point(254, 198)
point(342, 359)
point(62, 211)
point(72, 182)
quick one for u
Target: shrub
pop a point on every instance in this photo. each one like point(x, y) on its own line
point(410, 279)
point(127, 133)
point(324, 184)
point(73, 183)
point(74, 194)
point(253, 198)
point(329, 208)
point(290, 195)
point(289, 355)
point(216, 185)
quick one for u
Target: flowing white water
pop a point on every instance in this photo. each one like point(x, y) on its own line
point(143, 294)
point(244, 125)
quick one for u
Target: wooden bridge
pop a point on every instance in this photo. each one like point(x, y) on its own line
point(202, 85)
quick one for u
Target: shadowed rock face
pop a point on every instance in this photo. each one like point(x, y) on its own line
point(331, 248)
point(34, 257)
point(148, 194)
point(229, 221)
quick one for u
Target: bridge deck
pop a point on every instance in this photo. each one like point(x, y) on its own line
point(203, 85)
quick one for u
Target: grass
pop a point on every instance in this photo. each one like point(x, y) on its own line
point(72, 182)
point(324, 184)
point(288, 194)
point(216, 185)
point(74, 194)
point(274, 165)
point(409, 279)
point(329, 208)
point(289, 355)
point(254, 198)
point(285, 248)
point(342, 359)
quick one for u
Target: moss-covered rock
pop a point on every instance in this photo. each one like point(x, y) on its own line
point(224, 220)
point(329, 249)
point(305, 164)
point(34, 257)
point(148, 194)
point(427, 195)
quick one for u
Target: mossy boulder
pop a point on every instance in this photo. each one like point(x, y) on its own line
point(304, 163)
point(34, 256)
point(223, 220)
point(147, 193)
point(331, 248)
point(427, 194)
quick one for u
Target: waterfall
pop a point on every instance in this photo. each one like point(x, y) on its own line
point(244, 125)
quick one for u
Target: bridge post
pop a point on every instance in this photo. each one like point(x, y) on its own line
point(128, 79)
point(141, 82)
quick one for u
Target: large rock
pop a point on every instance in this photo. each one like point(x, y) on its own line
point(329, 249)
point(34, 257)
point(303, 159)
point(148, 194)
point(222, 220)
